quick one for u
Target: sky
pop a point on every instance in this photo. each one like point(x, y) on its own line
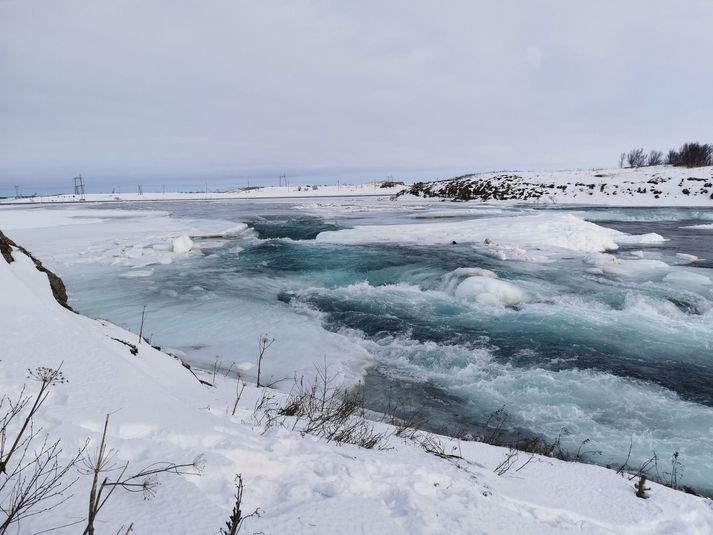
point(171, 91)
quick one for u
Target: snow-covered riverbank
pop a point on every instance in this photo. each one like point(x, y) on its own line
point(160, 412)
point(645, 186)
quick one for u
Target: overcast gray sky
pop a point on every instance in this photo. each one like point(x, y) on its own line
point(217, 89)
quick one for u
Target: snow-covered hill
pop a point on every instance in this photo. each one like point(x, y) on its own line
point(645, 186)
point(302, 483)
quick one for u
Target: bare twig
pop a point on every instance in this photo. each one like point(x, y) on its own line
point(264, 342)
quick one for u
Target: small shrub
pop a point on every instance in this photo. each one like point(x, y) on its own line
point(641, 487)
point(264, 342)
point(335, 414)
point(636, 158)
point(655, 157)
point(236, 519)
point(32, 478)
point(691, 155)
point(144, 481)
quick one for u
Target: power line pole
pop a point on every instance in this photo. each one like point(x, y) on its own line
point(79, 187)
point(141, 189)
point(17, 192)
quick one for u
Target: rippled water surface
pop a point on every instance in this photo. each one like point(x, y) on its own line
point(621, 358)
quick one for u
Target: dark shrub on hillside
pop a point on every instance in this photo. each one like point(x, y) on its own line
point(655, 157)
point(636, 158)
point(691, 155)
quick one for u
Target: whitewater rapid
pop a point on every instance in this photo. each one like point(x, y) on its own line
point(582, 323)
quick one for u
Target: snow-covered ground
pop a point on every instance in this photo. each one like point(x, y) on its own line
point(259, 192)
point(644, 186)
point(302, 484)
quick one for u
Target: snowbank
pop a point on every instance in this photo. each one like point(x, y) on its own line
point(160, 412)
point(547, 231)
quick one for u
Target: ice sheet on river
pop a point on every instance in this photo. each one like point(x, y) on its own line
point(504, 235)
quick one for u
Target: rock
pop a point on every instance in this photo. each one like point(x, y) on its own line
point(56, 284)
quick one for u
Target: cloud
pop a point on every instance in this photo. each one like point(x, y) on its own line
point(226, 88)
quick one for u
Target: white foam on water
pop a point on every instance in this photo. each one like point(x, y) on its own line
point(611, 411)
point(137, 273)
point(705, 226)
point(644, 304)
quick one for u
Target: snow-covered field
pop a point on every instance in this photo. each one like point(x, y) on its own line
point(258, 192)
point(302, 484)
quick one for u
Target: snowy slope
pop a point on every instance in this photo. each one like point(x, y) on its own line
point(160, 412)
point(645, 186)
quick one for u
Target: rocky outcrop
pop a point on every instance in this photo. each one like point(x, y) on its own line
point(502, 187)
point(58, 289)
point(653, 185)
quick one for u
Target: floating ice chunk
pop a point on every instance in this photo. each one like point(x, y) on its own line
point(636, 254)
point(454, 278)
point(687, 278)
point(683, 258)
point(489, 291)
point(182, 244)
point(133, 252)
point(541, 231)
point(609, 265)
point(634, 268)
point(601, 259)
point(628, 239)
